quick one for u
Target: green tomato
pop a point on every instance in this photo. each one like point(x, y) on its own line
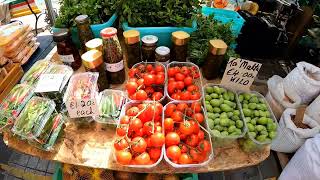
point(211, 115)
point(208, 97)
point(235, 117)
point(215, 132)
point(245, 106)
point(267, 114)
point(252, 134)
point(226, 96)
point(247, 112)
point(250, 127)
point(224, 133)
point(245, 102)
point(211, 123)
point(217, 121)
point(252, 106)
point(259, 107)
point(264, 107)
point(209, 108)
point(236, 113)
point(254, 99)
point(264, 133)
point(238, 131)
point(272, 134)
point(247, 96)
point(247, 119)
point(269, 120)
point(231, 104)
point(215, 102)
point(239, 124)
point(214, 96)
point(271, 127)
point(262, 113)
point(224, 122)
point(209, 90)
point(216, 110)
point(216, 89)
point(241, 98)
point(232, 123)
point(223, 90)
point(261, 138)
point(253, 121)
point(261, 100)
point(231, 95)
point(207, 102)
point(218, 127)
point(226, 108)
point(256, 113)
point(262, 121)
point(260, 128)
point(230, 114)
point(224, 115)
point(232, 129)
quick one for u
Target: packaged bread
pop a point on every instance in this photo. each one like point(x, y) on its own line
point(24, 43)
point(24, 52)
point(27, 57)
point(9, 33)
point(13, 46)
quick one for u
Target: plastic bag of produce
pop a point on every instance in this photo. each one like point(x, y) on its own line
point(278, 98)
point(305, 164)
point(31, 76)
point(313, 110)
point(303, 80)
point(290, 137)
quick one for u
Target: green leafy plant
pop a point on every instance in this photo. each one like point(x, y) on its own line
point(158, 12)
point(98, 11)
point(208, 29)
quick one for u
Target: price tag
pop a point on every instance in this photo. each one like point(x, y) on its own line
point(49, 82)
point(240, 74)
point(82, 108)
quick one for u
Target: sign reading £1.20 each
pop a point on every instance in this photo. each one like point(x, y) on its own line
point(240, 74)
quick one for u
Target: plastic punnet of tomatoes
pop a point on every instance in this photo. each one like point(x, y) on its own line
point(140, 137)
point(223, 114)
point(146, 82)
point(187, 140)
point(184, 81)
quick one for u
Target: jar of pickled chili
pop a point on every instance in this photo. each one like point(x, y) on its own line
point(67, 51)
point(132, 40)
point(93, 62)
point(215, 58)
point(163, 55)
point(180, 46)
point(113, 56)
point(84, 30)
point(149, 45)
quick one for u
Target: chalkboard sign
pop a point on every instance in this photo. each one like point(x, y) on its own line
point(240, 74)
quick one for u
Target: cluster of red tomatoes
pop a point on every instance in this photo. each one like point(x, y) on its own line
point(181, 83)
point(185, 141)
point(146, 82)
point(140, 136)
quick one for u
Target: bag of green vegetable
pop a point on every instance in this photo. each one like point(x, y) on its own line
point(223, 115)
point(33, 117)
point(259, 120)
point(31, 76)
point(50, 132)
point(12, 105)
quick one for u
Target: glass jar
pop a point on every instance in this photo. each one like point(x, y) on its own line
point(215, 58)
point(149, 45)
point(84, 31)
point(163, 55)
point(67, 51)
point(132, 40)
point(93, 62)
point(95, 43)
point(113, 56)
point(180, 46)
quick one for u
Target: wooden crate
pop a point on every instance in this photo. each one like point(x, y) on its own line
point(12, 78)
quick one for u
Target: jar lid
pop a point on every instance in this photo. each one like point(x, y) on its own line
point(163, 50)
point(131, 36)
point(95, 43)
point(92, 59)
point(61, 35)
point(180, 38)
point(82, 19)
point(149, 40)
point(108, 32)
point(218, 47)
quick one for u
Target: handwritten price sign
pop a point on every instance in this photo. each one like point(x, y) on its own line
point(240, 73)
point(82, 108)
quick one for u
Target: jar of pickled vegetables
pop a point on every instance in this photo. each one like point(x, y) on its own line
point(149, 45)
point(132, 40)
point(113, 56)
point(93, 62)
point(163, 55)
point(84, 30)
point(215, 58)
point(67, 51)
point(95, 43)
point(180, 46)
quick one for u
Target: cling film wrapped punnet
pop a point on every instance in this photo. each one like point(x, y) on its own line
point(31, 77)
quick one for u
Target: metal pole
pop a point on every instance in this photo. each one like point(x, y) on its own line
point(51, 13)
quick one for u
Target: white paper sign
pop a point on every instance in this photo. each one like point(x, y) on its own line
point(240, 74)
point(49, 82)
point(82, 108)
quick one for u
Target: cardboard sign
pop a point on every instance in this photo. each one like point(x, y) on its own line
point(49, 82)
point(82, 108)
point(240, 74)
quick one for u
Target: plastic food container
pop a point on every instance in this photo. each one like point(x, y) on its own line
point(49, 134)
point(255, 145)
point(33, 118)
point(219, 141)
point(9, 33)
point(165, 81)
point(110, 106)
point(12, 105)
point(197, 81)
point(207, 137)
point(123, 112)
point(31, 76)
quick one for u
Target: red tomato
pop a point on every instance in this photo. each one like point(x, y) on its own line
point(149, 79)
point(132, 111)
point(192, 88)
point(153, 72)
point(122, 130)
point(195, 96)
point(159, 79)
point(189, 112)
point(159, 68)
point(171, 80)
point(192, 140)
point(204, 146)
point(133, 96)
point(123, 157)
point(172, 87)
point(185, 95)
point(131, 87)
point(172, 72)
point(199, 117)
point(188, 81)
point(196, 107)
point(185, 70)
point(179, 77)
point(157, 96)
point(132, 72)
point(177, 116)
point(149, 90)
point(157, 139)
point(158, 129)
point(135, 124)
point(125, 120)
point(120, 144)
point(149, 67)
point(141, 67)
point(132, 80)
point(142, 159)
point(185, 159)
point(182, 107)
point(148, 141)
point(182, 136)
point(155, 153)
point(138, 133)
point(200, 135)
point(168, 124)
point(170, 109)
point(195, 125)
point(180, 85)
point(195, 155)
point(183, 148)
point(141, 95)
point(147, 128)
point(172, 138)
point(176, 96)
point(186, 128)
point(140, 82)
point(173, 153)
point(138, 145)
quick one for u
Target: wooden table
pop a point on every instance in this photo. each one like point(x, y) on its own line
point(93, 147)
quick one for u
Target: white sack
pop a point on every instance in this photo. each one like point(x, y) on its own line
point(289, 136)
point(275, 106)
point(313, 110)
